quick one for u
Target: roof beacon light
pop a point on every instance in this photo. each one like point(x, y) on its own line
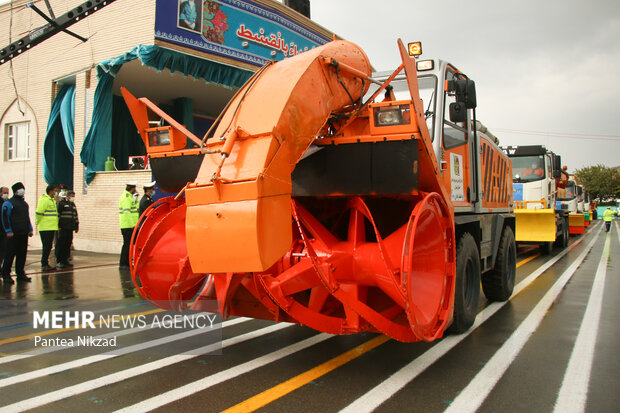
point(415, 48)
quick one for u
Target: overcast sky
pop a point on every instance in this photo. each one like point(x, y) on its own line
point(547, 71)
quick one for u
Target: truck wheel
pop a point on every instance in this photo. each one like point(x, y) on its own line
point(546, 247)
point(562, 241)
point(498, 283)
point(467, 288)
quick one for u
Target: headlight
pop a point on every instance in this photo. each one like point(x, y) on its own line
point(159, 137)
point(425, 65)
point(389, 117)
point(392, 115)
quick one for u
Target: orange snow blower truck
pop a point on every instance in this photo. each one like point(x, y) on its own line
point(325, 197)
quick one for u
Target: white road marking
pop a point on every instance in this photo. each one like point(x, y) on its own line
point(475, 393)
point(108, 355)
point(134, 371)
point(203, 384)
point(573, 394)
point(386, 389)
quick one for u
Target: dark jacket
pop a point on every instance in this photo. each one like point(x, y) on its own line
point(145, 202)
point(15, 216)
point(67, 216)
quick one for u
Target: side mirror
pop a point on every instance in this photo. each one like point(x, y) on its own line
point(465, 91)
point(458, 112)
point(557, 166)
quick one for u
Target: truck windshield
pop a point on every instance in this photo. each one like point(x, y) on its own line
point(569, 192)
point(427, 86)
point(528, 168)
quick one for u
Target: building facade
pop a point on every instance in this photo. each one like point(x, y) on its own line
point(62, 118)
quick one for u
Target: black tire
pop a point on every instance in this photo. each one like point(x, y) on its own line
point(499, 283)
point(546, 247)
point(562, 240)
point(467, 289)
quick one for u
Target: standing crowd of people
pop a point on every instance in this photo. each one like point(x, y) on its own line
point(56, 218)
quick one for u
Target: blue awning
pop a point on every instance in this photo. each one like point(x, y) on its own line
point(98, 142)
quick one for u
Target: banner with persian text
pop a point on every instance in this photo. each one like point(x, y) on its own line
point(237, 29)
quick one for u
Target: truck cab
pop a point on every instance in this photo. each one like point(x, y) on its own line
point(465, 150)
point(537, 178)
point(473, 168)
point(573, 204)
point(570, 199)
point(580, 199)
point(534, 173)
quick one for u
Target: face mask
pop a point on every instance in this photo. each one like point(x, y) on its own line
point(5, 197)
point(63, 194)
point(20, 192)
point(71, 199)
point(136, 195)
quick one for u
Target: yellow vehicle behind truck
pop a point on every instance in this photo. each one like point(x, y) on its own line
point(537, 178)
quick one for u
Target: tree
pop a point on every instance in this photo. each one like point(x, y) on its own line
point(600, 181)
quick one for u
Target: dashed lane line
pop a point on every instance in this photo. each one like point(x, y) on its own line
point(574, 390)
point(476, 392)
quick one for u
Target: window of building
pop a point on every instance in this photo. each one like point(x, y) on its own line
point(18, 141)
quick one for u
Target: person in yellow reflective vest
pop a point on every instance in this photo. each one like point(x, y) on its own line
point(128, 218)
point(607, 217)
point(46, 218)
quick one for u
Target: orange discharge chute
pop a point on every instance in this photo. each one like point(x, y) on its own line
point(239, 213)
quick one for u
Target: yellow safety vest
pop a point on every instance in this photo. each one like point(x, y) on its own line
point(46, 215)
point(128, 210)
point(608, 215)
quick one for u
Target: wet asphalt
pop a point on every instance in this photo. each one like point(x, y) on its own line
point(177, 373)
